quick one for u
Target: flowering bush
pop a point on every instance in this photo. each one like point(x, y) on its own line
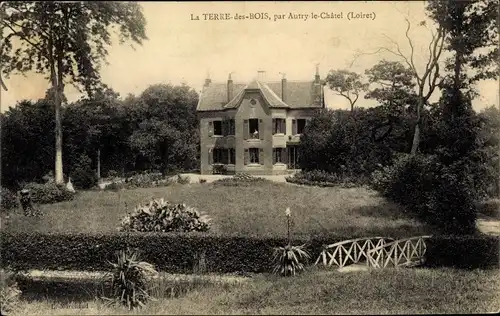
point(162, 216)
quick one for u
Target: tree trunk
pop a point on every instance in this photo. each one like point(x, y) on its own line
point(58, 100)
point(416, 134)
point(99, 164)
point(58, 164)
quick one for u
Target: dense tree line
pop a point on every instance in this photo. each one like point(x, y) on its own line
point(156, 130)
point(438, 159)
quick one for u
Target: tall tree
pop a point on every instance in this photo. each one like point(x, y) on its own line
point(347, 84)
point(426, 77)
point(68, 42)
point(472, 38)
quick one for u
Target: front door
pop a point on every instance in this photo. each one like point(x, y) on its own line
point(293, 157)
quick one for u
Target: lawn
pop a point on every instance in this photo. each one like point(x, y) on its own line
point(254, 210)
point(402, 291)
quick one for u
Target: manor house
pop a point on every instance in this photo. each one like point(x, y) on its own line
point(255, 127)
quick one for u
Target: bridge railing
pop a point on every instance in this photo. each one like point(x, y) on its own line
point(398, 253)
point(350, 251)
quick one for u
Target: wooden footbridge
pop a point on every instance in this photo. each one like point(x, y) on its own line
point(375, 252)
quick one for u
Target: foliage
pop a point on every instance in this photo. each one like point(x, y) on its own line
point(82, 175)
point(131, 280)
point(27, 142)
point(288, 260)
point(438, 194)
point(203, 180)
point(472, 29)
point(347, 144)
point(347, 84)
point(48, 193)
point(162, 216)
point(490, 208)
point(66, 41)
point(393, 87)
point(9, 292)
point(8, 199)
point(166, 136)
point(176, 253)
point(240, 179)
point(323, 179)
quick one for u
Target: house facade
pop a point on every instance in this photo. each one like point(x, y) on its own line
point(255, 127)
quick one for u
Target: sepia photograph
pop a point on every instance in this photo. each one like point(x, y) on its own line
point(249, 157)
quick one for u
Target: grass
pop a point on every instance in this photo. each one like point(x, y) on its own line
point(254, 210)
point(404, 291)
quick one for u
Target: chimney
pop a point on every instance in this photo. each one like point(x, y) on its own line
point(318, 89)
point(208, 81)
point(316, 77)
point(229, 88)
point(261, 75)
point(283, 88)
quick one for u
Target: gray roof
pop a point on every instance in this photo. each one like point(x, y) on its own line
point(299, 94)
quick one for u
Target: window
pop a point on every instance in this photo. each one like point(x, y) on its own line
point(218, 128)
point(301, 124)
point(253, 128)
point(218, 155)
point(278, 155)
point(254, 155)
point(232, 156)
point(230, 127)
point(279, 126)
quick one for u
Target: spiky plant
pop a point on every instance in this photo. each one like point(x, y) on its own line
point(131, 279)
point(289, 260)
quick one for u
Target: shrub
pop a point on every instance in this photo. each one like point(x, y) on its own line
point(9, 292)
point(240, 179)
point(8, 199)
point(324, 179)
point(162, 216)
point(144, 180)
point(490, 208)
point(130, 280)
point(203, 180)
point(82, 175)
point(48, 193)
point(440, 195)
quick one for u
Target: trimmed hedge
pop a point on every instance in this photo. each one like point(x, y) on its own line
point(325, 179)
point(176, 253)
point(465, 252)
point(170, 252)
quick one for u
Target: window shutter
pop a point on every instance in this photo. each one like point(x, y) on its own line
point(274, 156)
point(210, 128)
point(283, 126)
point(284, 156)
point(261, 130)
point(246, 157)
point(261, 156)
point(224, 127)
point(294, 127)
point(245, 129)
point(274, 127)
point(210, 156)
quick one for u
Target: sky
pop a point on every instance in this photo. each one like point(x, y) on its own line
point(182, 50)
